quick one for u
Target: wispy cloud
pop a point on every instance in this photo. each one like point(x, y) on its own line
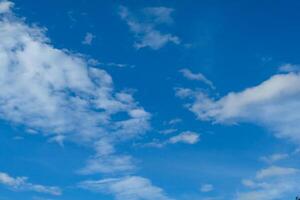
point(22, 184)
point(127, 188)
point(146, 31)
point(270, 184)
point(187, 137)
point(274, 157)
point(196, 77)
point(175, 121)
point(88, 39)
point(207, 188)
point(275, 171)
point(289, 68)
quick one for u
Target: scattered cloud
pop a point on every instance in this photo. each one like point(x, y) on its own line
point(168, 131)
point(127, 188)
point(175, 121)
point(119, 65)
point(271, 183)
point(58, 94)
point(271, 104)
point(159, 15)
point(207, 188)
point(275, 171)
point(274, 157)
point(196, 77)
point(145, 31)
point(187, 137)
point(22, 184)
point(108, 164)
point(88, 39)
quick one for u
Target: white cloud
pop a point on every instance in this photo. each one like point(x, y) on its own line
point(159, 14)
point(187, 137)
point(146, 32)
point(168, 131)
point(88, 39)
point(175, 121)
point(275, 171)
point(198, 77)
point(57, 93)
point(108, 164)
point(21, 184)
point(274, 157)
point(272, 183)
point(273, 104)
point(5, 6)
point(207, 188)
point(127, 188)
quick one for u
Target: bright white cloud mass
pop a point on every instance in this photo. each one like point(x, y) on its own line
point(58, 94)
point(21, 184)
point(270, 104)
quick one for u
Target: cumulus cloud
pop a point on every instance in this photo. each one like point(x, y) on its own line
point(56, 93)
point(273, 104)
point(127, 188)
point(145, 31)
point(196, 77)
point(21, 184)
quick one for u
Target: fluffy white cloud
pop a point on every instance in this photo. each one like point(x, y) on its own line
point(127, 188)
point(188, 137)
point(21, 184)
point(198, 77)
point(146, 32)
point(207, 188)
point(274, 104)
point(57, 93)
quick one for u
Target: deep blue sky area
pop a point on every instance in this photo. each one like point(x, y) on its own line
point(214, 89)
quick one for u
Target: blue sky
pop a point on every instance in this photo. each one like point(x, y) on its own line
point(144, 100)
